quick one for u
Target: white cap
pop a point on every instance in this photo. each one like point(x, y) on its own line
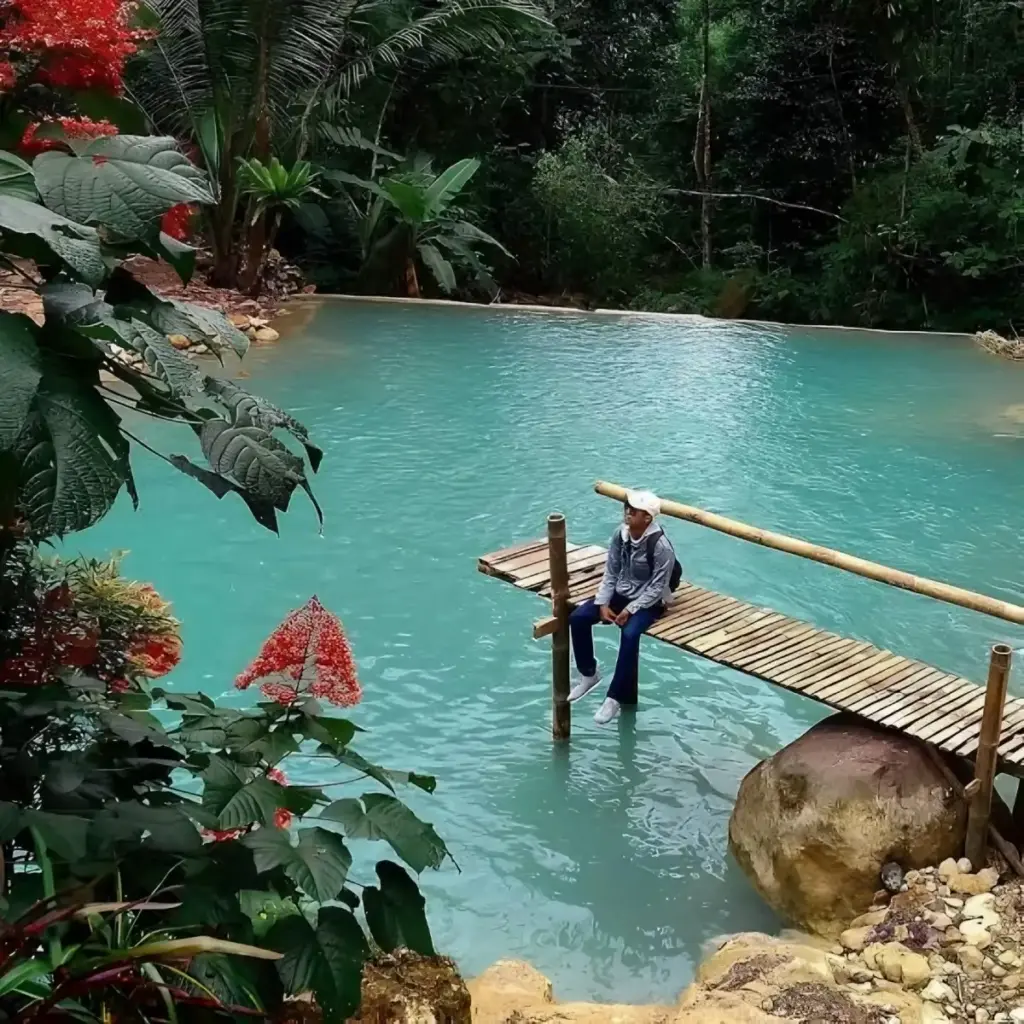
point(646, 501)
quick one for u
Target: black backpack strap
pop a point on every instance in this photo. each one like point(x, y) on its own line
point(652, 543)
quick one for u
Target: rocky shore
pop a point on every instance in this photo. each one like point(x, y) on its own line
point(948, 948)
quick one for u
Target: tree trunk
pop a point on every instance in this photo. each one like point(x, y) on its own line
point(702, 144)
point(412, 282)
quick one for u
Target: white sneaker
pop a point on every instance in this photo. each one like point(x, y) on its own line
point(584, 685)
point(607, 711)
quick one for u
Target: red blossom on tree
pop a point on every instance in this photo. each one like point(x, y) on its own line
point(7, 75)
point(307, 655)
point(176, 222)
point(81, 44)
point(73, 128)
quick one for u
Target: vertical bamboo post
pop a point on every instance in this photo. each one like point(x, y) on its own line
point(985, 761)
point(558, 563)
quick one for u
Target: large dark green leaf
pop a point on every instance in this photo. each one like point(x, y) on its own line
point(396, 912)
point(318, 864)
point(327, 960)
point(252, 411)
point(448, 184)
point(205, 326)
point(442, 270)
point(64, 834)
point(167, 829)
point(31, 230)
point(20, 373)
point(256, 461)
point(80, 308)
point(237, 797)
point(380, 816)
point(16, 177)
point(74, 459)
point(124, 182)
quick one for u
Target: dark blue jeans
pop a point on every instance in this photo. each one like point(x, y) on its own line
point(581, 624)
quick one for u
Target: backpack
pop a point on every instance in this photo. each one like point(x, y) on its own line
point(675, 575)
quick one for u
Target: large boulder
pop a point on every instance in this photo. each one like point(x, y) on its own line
point(814, 824)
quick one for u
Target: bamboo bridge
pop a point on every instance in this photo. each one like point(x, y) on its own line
point(951, 714)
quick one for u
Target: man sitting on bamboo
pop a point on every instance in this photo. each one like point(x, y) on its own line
point(640, 574)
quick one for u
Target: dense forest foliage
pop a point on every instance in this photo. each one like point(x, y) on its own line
point(791, 159)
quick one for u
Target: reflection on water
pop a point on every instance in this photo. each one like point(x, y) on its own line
point(449, 433)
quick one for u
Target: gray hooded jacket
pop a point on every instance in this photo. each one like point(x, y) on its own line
point(629, 574)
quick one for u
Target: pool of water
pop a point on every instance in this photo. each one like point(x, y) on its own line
point(450, 433)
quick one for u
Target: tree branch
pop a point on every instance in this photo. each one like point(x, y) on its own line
point(751, 195)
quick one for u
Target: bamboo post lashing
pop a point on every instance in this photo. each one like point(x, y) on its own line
point(985, 761)
point(968, 793)
point(828, 556)
point(559, 569)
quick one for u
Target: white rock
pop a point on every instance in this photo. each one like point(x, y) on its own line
point(931, 1014)
point(948, 867)
point(1017, 1015)
point(981, 1015)
point(937, 991)
point(975, 933)
point(964, 865)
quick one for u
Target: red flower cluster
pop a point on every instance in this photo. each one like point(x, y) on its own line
point(56, 639)
point(81, 44)
point(155, 656)
point(176, 222)
point(307, 655)
point(73, 128)
point(7, 75)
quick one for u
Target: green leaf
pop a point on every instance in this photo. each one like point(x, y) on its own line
point(408, 199)
point(10, 821)
point(318, 864)
point(396, 912)
point(236, 797)
point(442, 270)
point(64, 834)
point(335, 733)
point(251, 411)
point(448, 184)
point(380, 816)
point(16, 177)
point(167, 829)
point(31, 230)
point(264, 909)
point(124, 182)
point(327, 960)
point(256, 461)
point(470, 232)
point(23, 973)
point(20, 374)
point(74, 458)
point(205, 326)
point(350, 137)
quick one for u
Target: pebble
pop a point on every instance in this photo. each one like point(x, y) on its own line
point(981, 1015)
point(998, 971)
point(1009, 959)
point(964, 866)
point(941, 921)
point(937, 992)
point(1017, 1015)
point(953, 901)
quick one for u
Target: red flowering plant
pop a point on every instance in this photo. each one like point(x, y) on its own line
point(230, 815)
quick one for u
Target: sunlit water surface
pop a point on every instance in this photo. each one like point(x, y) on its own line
point(450, 433)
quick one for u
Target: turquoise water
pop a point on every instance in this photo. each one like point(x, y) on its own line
point(450, 433)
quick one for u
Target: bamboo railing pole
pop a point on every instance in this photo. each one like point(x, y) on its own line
point(828, 556)
point(558, 563)
point(985, 761)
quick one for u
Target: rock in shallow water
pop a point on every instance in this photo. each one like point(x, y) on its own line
point(814, 824)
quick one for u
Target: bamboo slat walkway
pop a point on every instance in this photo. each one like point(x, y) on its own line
point(850, 675)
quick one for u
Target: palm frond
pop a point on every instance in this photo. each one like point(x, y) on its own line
point(456, 29)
